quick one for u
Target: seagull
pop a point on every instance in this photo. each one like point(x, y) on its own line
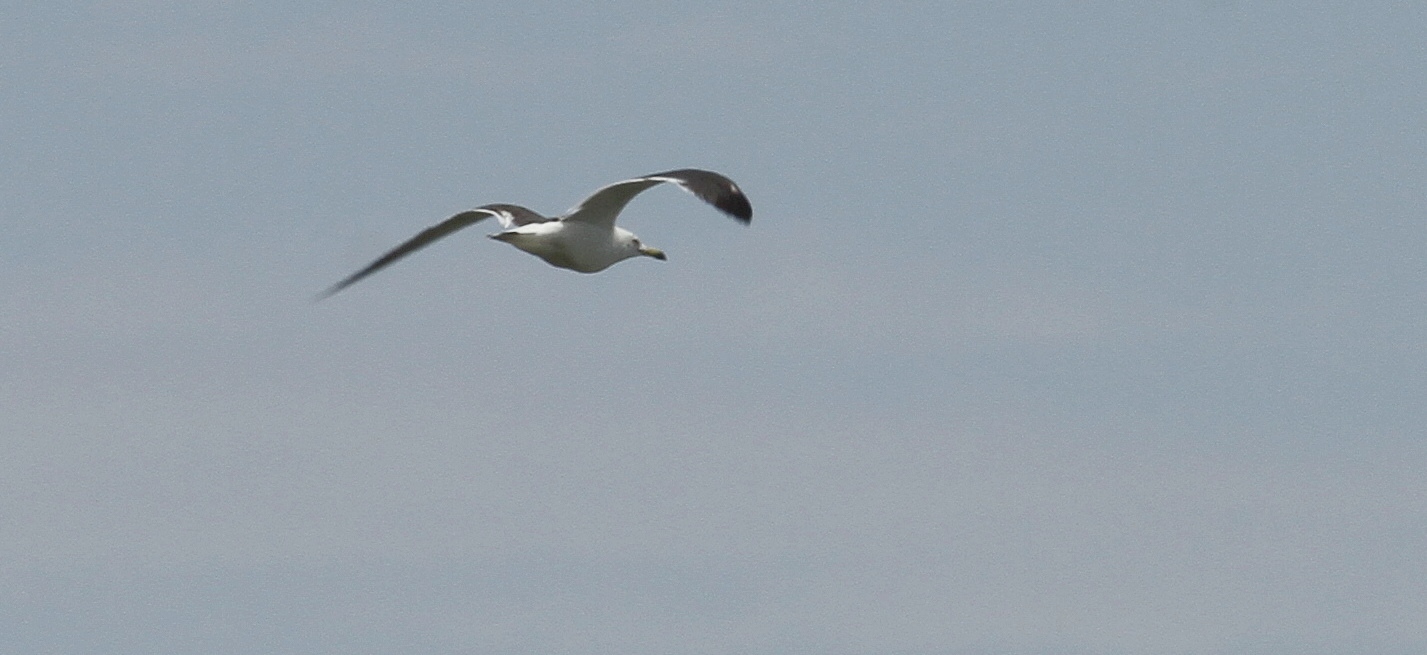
point(585, 239)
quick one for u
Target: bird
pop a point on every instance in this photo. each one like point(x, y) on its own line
point(585, 239)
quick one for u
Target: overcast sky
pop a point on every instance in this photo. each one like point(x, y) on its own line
point(1061, 328)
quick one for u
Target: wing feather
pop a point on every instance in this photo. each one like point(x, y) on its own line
point(605, 204)
point(509, 215)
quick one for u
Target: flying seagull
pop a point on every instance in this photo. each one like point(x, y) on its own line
point(585, 239)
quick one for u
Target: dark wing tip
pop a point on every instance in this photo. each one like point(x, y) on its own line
point(714, 189)
point(736, 205)
point(331, 291)
point(354, 278)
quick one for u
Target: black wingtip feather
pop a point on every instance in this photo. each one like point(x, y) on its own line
point(715, 189)
point(736, 205)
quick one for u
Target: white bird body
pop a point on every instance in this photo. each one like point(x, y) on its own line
point(577, 246)
point(585, 239)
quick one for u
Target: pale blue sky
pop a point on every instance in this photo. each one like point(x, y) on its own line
point(1061, 328)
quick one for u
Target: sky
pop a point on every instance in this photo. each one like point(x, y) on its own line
point(1061, 328)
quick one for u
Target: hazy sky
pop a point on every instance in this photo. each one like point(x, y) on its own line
point(1061, 328)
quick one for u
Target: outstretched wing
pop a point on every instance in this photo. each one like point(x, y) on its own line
point(604, 205)
point(509, 216)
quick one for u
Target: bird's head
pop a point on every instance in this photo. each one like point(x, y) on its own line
point(637, 247)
